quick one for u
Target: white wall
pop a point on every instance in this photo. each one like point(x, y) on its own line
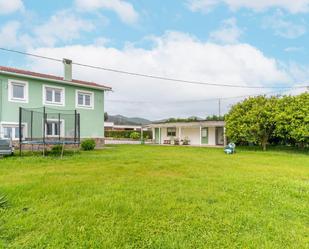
point(193, 134)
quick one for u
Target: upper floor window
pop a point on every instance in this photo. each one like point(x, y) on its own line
point(53, 95)
point(18, 91)
point(84, 99)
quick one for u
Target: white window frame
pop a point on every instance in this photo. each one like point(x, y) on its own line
point(62, 126)
point(10, 91)
point(12, 125)
point(86, 93)
point(173, 130)
point(45, 102)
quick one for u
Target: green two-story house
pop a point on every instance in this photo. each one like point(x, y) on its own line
point(20, 88)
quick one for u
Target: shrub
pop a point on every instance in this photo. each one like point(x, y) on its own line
point(88, 144)
point(135, 135)
point(126, 134)
point(56, 150)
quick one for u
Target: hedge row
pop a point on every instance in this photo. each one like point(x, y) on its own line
point(127, 134)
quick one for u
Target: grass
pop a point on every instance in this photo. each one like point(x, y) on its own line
point(156, 197)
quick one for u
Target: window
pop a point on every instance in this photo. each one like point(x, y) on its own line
point(53, 128)
point(11, 131)
point(18, 91)
point(53, 95)
point(84, 99)
point(171, 132)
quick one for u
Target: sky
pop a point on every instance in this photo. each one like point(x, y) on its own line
point(235, 42)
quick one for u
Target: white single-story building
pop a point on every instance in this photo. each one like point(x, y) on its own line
point(201, 133)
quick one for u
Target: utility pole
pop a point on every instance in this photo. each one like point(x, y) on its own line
point(219, 107)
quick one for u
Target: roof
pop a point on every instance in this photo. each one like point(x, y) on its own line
point(203, 123)
point(29, 74)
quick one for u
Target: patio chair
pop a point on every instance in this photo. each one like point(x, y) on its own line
point(230, 148)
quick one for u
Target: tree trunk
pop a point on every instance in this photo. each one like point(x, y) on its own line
point(264, 142)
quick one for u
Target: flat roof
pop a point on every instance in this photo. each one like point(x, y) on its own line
point(194, 124)
point(53, 78)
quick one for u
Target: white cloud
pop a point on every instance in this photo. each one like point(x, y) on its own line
point(284, 28)
point(9, 34)
point(205, 61)
point(63, 26)
point(10, 6)
point(229, 32)
point(293, 49)
point(124, 10)
point(293, 6)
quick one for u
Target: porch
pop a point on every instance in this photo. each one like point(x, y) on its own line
point(200, 133)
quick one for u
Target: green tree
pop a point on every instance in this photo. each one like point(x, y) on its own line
point(252, 120)
point(105, 116)
point(292, 119)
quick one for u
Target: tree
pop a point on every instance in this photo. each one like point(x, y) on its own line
point(105, 116)
point(292, 119)
point(252, 120)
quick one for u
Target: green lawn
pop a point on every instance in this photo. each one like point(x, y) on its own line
point(156, 197)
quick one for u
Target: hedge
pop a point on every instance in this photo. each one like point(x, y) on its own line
point(127, 134)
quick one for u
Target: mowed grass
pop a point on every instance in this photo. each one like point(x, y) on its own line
point(156, 197)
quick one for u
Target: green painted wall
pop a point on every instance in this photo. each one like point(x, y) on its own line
point(92, 120)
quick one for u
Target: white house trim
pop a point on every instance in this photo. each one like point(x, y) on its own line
point(62, 127)
point(10, 91)
point(13, 125)
point(52, 103)
point(77, 91)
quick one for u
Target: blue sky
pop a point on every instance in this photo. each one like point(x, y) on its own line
point(228, 41)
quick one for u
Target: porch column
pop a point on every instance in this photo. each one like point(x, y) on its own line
point(160, 135)
point(179, 133)
point(224, 137)
point(200, 135)
point(153, 135)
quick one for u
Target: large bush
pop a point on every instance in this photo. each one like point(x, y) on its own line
point(88, 144)
point(260, 120)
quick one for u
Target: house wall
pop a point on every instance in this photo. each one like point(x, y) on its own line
point(91, 122)
point(193, 134)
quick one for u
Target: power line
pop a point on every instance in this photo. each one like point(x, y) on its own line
point(154, 76)
point(191, 101)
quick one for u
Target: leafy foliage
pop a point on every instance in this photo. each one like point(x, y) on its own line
point(215, 118)
point(259, 119)
point(292, 119)
point(178, 120)
point(126, 134)
point(56, 150)
point(105, 116)
point(135, 135)
point(88, 144)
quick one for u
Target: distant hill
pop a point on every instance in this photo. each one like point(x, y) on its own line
point(123, 120)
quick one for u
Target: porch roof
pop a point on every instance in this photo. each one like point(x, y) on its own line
point(195, 124)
